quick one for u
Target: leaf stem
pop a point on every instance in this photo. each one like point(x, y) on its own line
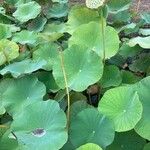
point(66, 86)
point(138, 6)
point(103, 35)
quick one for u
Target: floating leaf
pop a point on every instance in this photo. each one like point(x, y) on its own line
point(41, 126)
point(141, 41)
point(121, 105)
point(23, 67)
point(80, 15)
point(127, 141)
point(25, 37)
point(82, 36)
point(27, 11)
point(89, 146)
point(90, 126)
point(143, 126)
point(111, 77)
point(22, 92)
point(9, 50)
point(47, 52)
point(78, 61)
point(94, 4)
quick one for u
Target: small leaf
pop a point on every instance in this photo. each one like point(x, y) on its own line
point(9, 50)
point(46, 129)
point(89, 146)
point(90, 126)
point(79, 61)
point(122, 106)
point(23, 67)
point(27, 11)
point(25, 37)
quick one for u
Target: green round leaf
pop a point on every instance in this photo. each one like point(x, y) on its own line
point(23, 67)
point(143, 126)
point(25, 37)
point(47, 52)
point(90, 126)
point(27, 11)
point(122, 106)
point(22, 92)
point(111, 77)
point(79, 62)
point(41, 126)
point(79, 15)
point(89, 146)
point(127, 141)
point(82, 36)
point(9, 50)
point(94, 4)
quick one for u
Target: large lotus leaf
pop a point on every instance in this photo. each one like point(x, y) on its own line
point(27, 11)
point(129, 77)
point(89, 146)
point(118, 5)
point(23, 67)
point(94, 4)
point(5, 32)
point(127, 141)
point(146, 17)
point(122, 106)
point(9, 50)
point(41, 126)
point(58, 10)
point(25, 37)
point(141, 64)
point(141, 41)
point(21, 92)
point(143, 126)
point(79, 63)
point(80, 15)
point(111, 77)
point(91, 36)
point(147, 146)
point(37, 24)
point(90, 126)
point(47, 52)
point(48, 79)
